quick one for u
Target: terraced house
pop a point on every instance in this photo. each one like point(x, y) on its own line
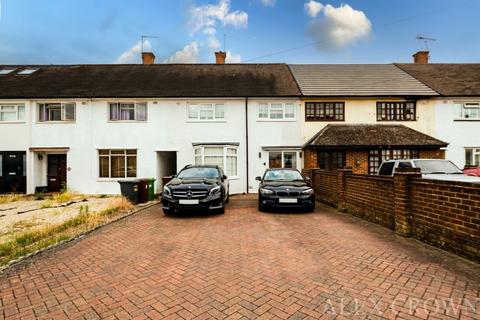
point(87, 126)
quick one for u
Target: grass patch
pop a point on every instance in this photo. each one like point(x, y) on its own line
point(47, 204)
point(64, 196)
point(11, 198)
point(42, 237)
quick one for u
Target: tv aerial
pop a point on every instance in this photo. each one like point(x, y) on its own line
point(425, 40)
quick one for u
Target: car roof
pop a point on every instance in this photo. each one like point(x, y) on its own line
point(201, 166)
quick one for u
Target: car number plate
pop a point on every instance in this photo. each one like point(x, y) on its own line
point(188, 201)
point(287, 200)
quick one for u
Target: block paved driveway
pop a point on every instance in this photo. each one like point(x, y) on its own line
point(244, 264)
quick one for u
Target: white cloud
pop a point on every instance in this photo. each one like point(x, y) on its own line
point(339, 26)
point(189, 54)
point(313, 8)
point(269, 3)
point(133, 55)
point(213, 43)
point(208, 16)
point(233, 58)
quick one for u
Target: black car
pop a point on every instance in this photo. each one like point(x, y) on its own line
point(284, 188)
point(196, 187)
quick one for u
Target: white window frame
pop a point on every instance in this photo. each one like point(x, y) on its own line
point(461, 107)
point(125, 155)
point(224, 155)
point(62, 106)
point(136, 105)
point(283, 151)
point(475, 151)
point(16, 106)
point(213, 108)
point(284, 104)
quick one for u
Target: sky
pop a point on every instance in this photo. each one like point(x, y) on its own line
point(251, 31)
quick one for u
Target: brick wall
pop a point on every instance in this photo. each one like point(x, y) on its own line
point(310, 159)
point(442, 213)
point(370, 198)
point(358, 161)
point(447, 215)
point(432, 154)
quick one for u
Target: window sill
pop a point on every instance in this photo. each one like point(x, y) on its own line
point(276, 120)
point(466, 120)
point(55, 122)
point(206, 121)
point(127, 121)
point(114, 179)
point(12, 122)
point(234, 178)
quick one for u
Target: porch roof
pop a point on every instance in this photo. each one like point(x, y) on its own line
point(371, 135)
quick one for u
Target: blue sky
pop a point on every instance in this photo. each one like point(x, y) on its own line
point(355, 31)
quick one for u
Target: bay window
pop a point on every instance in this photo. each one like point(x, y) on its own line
point(128, 111)
point(226, 157)
point(117, 163)
point(206, 111)
point(276, 111)
point(12, 112)
point(56, 112)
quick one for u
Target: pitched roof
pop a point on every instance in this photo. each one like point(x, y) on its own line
point(448, 79)
point(371, 135)
point(357, 80)
point(144, 81)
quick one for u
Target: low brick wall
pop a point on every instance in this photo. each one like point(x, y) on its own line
point(442, 213)
point(370, 198)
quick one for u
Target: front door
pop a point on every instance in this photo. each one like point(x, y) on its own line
point(13, 172)
point(57, 172)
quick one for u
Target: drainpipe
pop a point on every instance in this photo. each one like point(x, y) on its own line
point(246, 140)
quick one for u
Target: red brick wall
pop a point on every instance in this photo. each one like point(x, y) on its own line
point(447, 215)
point(370, 198)
point(432, 154)
point(358, 161)
point(310, 159)
point(442, 213)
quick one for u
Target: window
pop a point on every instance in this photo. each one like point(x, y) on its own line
point(282, 159)
point(226, 157)
point(276, 111)
point(117, 163)
point(472, 157)
point(206, 112)
point(6, 71)
point(467, 111)
point(377, 156)
point(328, 160)
point(324, 111)
point(27, 71)
point(11, 113)
point(56, 112)
point(128, 111)
point(396, 111)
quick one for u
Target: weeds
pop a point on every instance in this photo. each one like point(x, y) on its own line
point(47, 204)
point(11, 198)
point(42, 237)
point(39, 196)
point(64, 196)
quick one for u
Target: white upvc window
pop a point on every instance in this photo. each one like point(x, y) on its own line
point(472, 157)
point(117, 163)
point(226, 157)
point(467, 110)
point(52, 112)
point(127, 111)
point(12, 112)
point(276, 111)
point(206, 111)
point(284, 159)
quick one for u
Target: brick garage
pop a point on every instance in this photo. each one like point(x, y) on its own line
point(442, 213)
point(363, 147)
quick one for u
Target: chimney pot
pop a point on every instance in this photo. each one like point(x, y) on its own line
point(148, 58)
point(220, 57)
point(421, 57)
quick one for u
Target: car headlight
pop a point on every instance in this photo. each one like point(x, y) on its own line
point(215, 190)
point(307, 191)
point(265, 191)
point(166, 191)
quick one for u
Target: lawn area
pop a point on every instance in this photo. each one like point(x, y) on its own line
point(29, 223)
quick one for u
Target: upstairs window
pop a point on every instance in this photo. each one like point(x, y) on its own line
point(467, 111)
point(276, 111)
point(12, 113)
point(206, 111)
point(396, 111)
point(128, 111)
point(324, 111)
point(56, 112)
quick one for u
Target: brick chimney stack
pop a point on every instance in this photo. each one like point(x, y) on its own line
point(220, 57)
point(148, 58)
point(421, 57)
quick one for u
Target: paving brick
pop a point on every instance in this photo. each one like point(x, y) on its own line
point(241, 265)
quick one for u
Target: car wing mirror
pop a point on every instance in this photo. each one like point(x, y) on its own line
point(224, 177)
point(258, 178)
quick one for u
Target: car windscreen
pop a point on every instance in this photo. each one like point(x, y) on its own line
point(199, 173)
point(436, 166)
point(282, 175)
